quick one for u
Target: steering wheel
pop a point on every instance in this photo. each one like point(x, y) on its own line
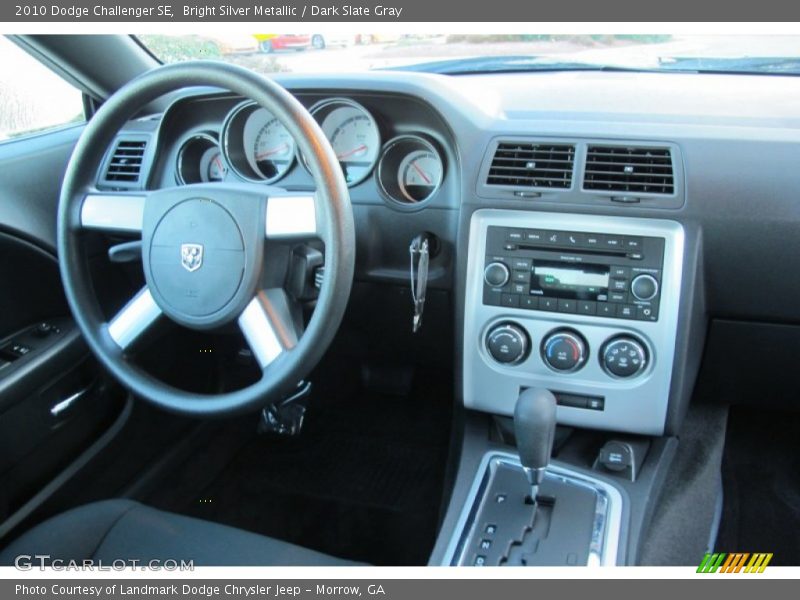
point(204, 253)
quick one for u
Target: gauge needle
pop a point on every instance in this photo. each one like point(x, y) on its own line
point(353, 151)
point(267, 153)
point(218, 162)
point(421, 173)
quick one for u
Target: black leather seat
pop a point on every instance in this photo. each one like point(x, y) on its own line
point(124, 529)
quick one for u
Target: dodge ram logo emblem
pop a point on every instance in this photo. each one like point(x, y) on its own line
point(192, 256)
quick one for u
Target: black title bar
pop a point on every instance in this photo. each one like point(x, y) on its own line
point(407, 11)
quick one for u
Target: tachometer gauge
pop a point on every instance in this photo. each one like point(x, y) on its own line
point(410, 170)
point(200, 160)
point(354, 135)
point(256, 144)
point(273, 149)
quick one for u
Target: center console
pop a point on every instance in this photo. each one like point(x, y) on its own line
point(585, 306)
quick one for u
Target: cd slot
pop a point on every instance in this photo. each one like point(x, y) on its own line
point(597, 253)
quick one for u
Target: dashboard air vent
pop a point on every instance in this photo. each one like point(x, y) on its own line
point(629, 169)
point(126, 162)
point(535, 165)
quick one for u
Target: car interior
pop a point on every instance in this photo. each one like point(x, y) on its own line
point(399, 317)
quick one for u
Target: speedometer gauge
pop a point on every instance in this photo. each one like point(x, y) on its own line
point(353, 134)
point(256, 144)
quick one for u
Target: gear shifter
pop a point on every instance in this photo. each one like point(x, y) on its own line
point(534, 428)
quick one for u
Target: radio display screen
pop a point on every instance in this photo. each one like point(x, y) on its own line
point(566, 280)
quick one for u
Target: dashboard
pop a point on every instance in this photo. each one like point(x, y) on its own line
point(704, 166)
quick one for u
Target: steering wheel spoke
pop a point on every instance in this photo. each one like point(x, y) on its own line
point(134, 318)
point(291, 216)
point(113, 211)
point(268, 326)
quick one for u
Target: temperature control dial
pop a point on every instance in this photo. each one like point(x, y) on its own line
point(564, 351)
point(508, 343)
point(624, 357)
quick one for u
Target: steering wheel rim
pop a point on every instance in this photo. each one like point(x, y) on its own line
point(331, 208)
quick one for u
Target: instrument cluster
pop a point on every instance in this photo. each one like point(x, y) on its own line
point(253, 145)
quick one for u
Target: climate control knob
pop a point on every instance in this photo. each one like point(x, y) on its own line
point(508, 343)
point(624, 357)
point(564, 350)
point(496, 274)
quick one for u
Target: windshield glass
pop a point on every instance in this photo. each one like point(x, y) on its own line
point(464, 54)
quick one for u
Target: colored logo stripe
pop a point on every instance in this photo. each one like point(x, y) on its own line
point(734, 562)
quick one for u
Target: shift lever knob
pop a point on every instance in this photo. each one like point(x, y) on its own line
point(534, 428)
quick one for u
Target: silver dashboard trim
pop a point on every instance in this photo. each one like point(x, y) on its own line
point(637, 405)
point(607, 524)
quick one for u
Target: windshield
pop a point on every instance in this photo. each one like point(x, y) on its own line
point(465, 54)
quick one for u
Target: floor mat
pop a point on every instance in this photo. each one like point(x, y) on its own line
point(761, 479)
point(363, 481)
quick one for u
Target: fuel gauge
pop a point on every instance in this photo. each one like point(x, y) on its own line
point(411, 170)
point(420, 175)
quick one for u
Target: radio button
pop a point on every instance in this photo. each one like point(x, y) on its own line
point(550, 304)
point(529, 302)
point(554, 237)
point(647, 313)
point(606, 310)
point(534, 236)
point(617, 297)
point(620, 272)
point(614, 242)
point(509, 300)
point(521, 276)
point(587, 307)
point(633, 243)
point(519, 288)
point(644, 287)
point(626, 311)
point(515, 235)
point(574, 239)
point(619, 285)
point(496, 274)
point(565, 305)
point(523, 264)
point(594, 240)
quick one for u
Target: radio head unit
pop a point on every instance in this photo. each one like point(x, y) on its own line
point(591, 274)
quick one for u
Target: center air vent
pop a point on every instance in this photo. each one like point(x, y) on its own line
point(532, 165)
point(631, 170)
point(126, 163)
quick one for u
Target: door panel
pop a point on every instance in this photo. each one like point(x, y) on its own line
point(54, 400)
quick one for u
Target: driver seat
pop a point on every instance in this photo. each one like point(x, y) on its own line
point(126, 530)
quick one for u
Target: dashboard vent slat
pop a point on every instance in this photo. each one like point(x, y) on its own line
point(532, 165)
point(126, 162)
point(629, 169)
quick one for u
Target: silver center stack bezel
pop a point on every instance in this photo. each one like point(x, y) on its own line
point(606, 526)
point(636, 405)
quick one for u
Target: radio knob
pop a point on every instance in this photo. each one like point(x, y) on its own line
point(508, 343)
point(624, 357)
point(644, 287)
point(496, 274)
point(564, 351)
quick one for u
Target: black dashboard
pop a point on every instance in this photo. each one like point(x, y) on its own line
point(713, 155)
